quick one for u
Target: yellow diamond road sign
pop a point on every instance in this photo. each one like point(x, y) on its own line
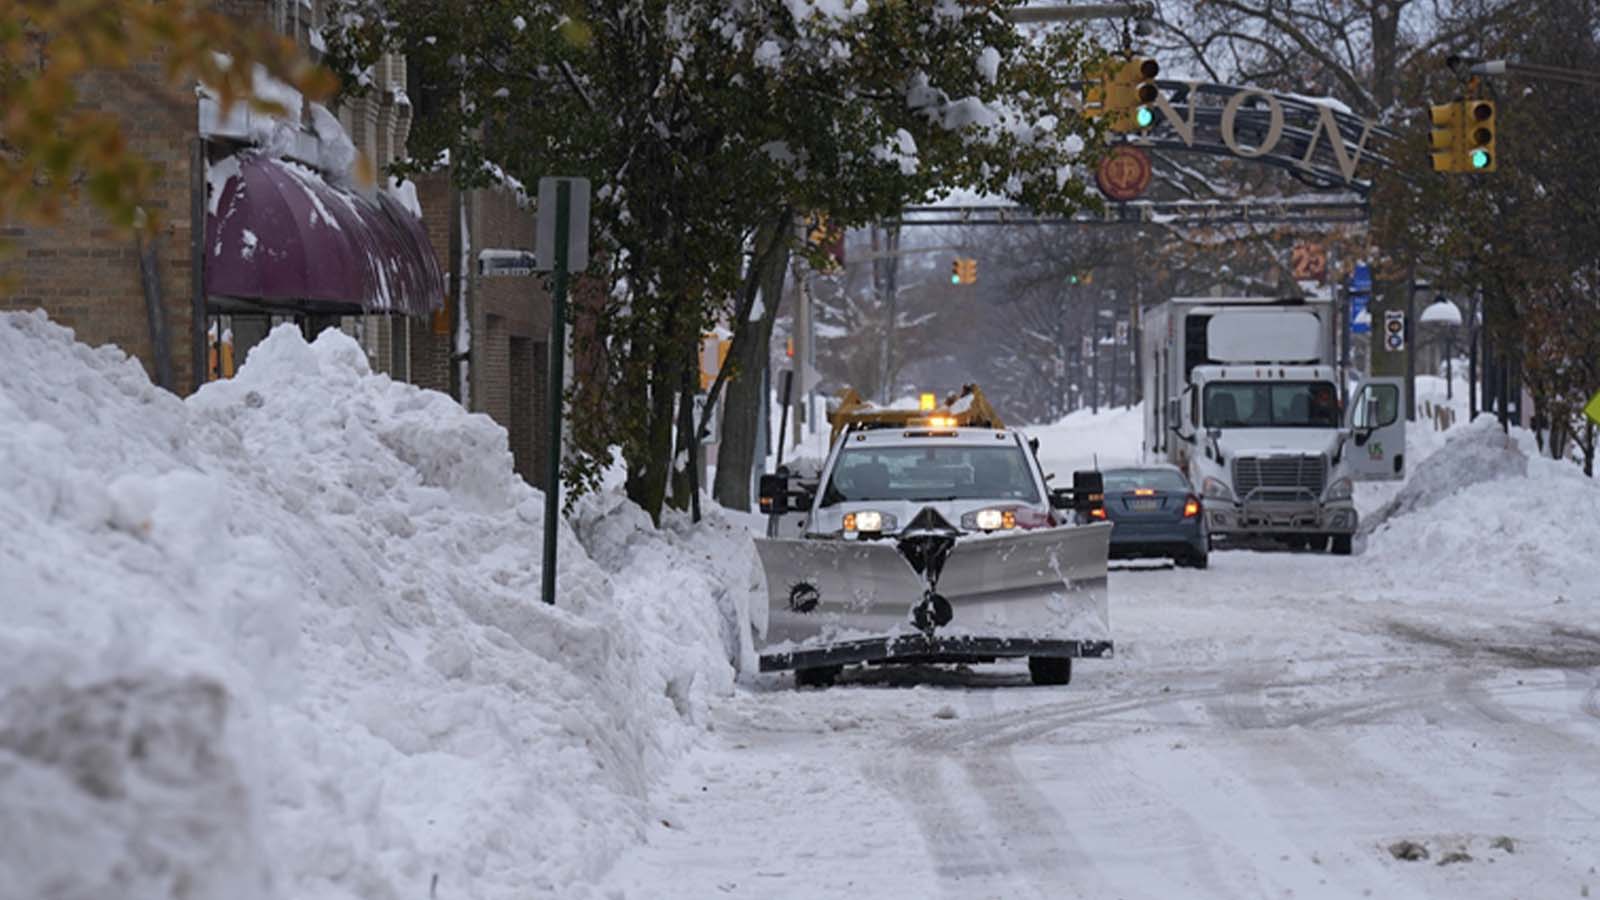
point(1592, 410)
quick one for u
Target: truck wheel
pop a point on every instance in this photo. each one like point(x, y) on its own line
point(817, 676)
point(1200, 560)
point(1050, 669)
point(1341, 544)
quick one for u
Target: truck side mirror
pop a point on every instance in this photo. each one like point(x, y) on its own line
point(1061, 498)
point(1088, 491)
point(774, 494)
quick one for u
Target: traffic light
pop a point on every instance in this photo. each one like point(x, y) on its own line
point(1479, 126)
point(1123, 90)
point(1141, 72)
point(1462, 139)
point(963, 270)
point(1444, 141)
point(1095, 82)
point(955, 270)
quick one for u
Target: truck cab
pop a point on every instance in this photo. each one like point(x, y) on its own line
point(1267, 448)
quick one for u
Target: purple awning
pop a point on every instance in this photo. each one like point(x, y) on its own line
point(281, 233)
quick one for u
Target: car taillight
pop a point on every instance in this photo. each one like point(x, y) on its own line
point(1099, 512)
point(1191, 507)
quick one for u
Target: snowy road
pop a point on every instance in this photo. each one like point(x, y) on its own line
point(1270, 728)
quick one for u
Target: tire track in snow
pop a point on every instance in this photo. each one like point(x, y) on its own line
point(1039, 839)
point(967, 859)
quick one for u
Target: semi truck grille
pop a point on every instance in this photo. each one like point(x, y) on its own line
point(1279, 473)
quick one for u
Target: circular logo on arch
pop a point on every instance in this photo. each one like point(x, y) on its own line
point(1124, 173)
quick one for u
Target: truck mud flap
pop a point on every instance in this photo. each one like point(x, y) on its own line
point(1036, 585)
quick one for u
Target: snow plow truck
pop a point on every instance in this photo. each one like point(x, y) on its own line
point(931, 535)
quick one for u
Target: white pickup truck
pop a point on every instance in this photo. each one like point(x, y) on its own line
point(931, 536)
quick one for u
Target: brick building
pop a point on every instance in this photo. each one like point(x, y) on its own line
point(264, 220)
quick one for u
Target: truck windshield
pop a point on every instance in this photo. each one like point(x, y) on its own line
point(1275, 404)
point(931, 473)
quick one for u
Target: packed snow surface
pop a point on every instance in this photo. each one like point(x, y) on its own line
point(283, 639)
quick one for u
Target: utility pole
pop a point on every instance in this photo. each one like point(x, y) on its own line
point(891, 277)
point(1412, 333)
point(1094, 347)
point(1116, 357)
point(1135, 343)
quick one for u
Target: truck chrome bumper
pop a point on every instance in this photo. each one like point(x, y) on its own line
point(1263, 517)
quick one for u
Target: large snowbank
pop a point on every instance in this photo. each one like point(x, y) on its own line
point(283, 639)
point(1487, 509)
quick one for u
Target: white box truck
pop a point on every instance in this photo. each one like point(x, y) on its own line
point(1242, 393)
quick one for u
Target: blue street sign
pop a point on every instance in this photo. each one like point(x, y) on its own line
point(1360, 293)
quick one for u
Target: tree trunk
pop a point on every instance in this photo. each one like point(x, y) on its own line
point(685, 480)
point(650, 462)
point(1588, 449)
point(741, 412)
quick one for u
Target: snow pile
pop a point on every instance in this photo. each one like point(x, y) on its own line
point(283, 639)
point(1472, 454)
point(1486, 509)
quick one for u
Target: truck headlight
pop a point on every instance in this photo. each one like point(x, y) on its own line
point(1339, 490)
point(989, 520)
point(1216, 490)
point(868, 520)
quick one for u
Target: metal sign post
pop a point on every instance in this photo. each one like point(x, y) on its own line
point(568, 236)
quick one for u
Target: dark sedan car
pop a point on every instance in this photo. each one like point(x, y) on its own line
point(1157, 513)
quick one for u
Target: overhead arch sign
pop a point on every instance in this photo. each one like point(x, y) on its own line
point(1318, 141)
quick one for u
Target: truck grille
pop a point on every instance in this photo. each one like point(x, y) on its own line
point(1275, 473)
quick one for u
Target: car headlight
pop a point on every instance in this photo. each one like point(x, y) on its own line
point(989, 520)
point(1216, 490)
point(1339, 490)
point(868, 520)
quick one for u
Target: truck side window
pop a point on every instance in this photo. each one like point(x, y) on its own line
point(1388, 397)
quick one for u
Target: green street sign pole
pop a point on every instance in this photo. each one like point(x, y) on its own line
point(558, 353)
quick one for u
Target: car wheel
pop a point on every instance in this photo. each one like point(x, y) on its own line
point(1200, 560)
point(1341, 544)
point(817, 676)
point(1050, 669)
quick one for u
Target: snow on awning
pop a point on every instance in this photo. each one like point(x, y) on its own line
point(280, 233)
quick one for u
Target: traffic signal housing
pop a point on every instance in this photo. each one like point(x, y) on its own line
point(1140, 74)
point(1478, 119)
point(1096, 80)
point(1462, 139)
point(1444, 140)
point(963, 270)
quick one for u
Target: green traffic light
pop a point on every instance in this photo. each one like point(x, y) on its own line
point(955, 279)
point(1145, 117)
point(1072, 279)
point(1480, 159)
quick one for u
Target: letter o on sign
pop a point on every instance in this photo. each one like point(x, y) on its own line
point(1230, 114)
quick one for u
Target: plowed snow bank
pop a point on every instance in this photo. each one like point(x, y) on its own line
point(283, 639)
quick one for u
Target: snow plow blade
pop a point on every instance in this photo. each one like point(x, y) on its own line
point(1031, 593)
